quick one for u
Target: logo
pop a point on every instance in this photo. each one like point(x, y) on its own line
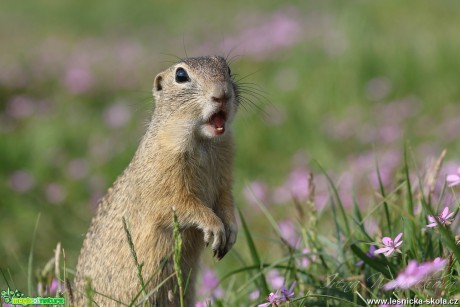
point(17, 298)
point(8, 295)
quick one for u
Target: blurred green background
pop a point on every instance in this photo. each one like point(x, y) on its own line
point(334, 81)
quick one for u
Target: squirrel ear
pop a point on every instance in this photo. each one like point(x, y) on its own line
point(158, 83)
point(157, 86)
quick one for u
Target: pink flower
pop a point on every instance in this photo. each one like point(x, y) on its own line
point(279, 31)
point(273, 299)
point(255, 192)
point(275, 279)
point(55, 193)
point(276, 298)
point(430, 267)
point(391, 245)
point(288, 294)
point(117, 115)
point(454, 180)
point(78, 79)
point(296, 186)
point(49, 288)
point(415, 273)
point(21, 181)
point(205, 303)
point(444, 218)
point(254, 295)
point(306, 259)
point(77, 169)
point(210, 285)
point(21, 107)
point(289, 233)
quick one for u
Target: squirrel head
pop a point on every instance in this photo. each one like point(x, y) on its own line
point(197, 97)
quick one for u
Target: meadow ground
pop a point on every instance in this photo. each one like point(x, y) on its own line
point(335, 89)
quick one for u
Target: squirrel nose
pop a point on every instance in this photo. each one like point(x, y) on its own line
point(221, 99)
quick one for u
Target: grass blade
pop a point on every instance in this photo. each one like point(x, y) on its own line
point(409, 224)
point(358, 219)
point(254, 254)
point(385, 268)
point(177, 257)
point(383, 194)
point(30, 286)
point(134, 255)
point(338, 231)
point(339, 201)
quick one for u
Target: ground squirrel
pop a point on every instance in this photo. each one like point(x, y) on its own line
point(183, 161)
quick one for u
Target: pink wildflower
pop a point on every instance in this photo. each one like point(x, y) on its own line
point(276, 298)
point(275, 279)
point(204, 303)
point(296, 186)
point(454, 179)
point(78, 79)
point(444, 218)
point(289, 233)
point(21, 181)
point(255, 192)
point(415, 273)
point(254, 295)
point(306, 258)
point(117, 115)
point(288, 293)
point(273, 299)
point(209, 289)
point(391, 245)
point(429, 267)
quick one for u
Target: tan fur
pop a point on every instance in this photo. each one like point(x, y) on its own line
point(176, 165)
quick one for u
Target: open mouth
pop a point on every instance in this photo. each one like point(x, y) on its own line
point(217, 122)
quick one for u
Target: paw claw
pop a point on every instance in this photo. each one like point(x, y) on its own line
point(218, 235)
point(231, 231)
point(222, 253)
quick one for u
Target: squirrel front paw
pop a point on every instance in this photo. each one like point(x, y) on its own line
point(231, 231)
point(217, 232)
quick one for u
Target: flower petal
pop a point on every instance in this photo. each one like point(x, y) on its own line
point(387, 241)
point(391, 285)
point(431, 219)
point(451, 178)
point(398, 237)
point(381, 250)
point(398, 244)
point(445, 212)
point(292, 286)
point(439, 263)
point(389, 252)
point(411, 268)
point(432, 225)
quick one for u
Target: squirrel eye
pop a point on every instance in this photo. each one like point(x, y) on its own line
point(181, 75)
